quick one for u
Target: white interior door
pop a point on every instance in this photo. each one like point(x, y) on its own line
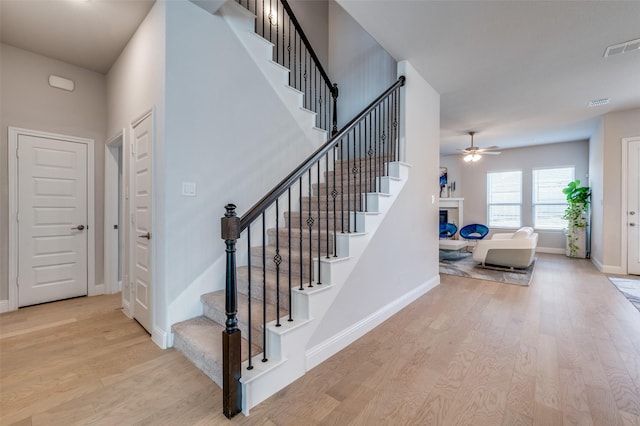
point(52, 219)
point(142, 273)
point(633, 208)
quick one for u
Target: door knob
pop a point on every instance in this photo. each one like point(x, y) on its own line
point(79, 227)
point(632, 224)
point(147, 236)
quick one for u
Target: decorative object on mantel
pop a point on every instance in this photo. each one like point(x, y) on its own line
point(443, 183)
point(578, 198)
point(629, 287)
point(467, 267)
point(473, 153)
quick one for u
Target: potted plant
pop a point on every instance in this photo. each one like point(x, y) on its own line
point(578, 198)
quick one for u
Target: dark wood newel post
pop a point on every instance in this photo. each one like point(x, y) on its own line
point(231, 389)
point(334, 95)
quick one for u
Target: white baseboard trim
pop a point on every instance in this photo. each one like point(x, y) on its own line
point(597, 264)
point(610, 269)
point(336, 343)
point(159, 337)
point(550, 250)
point(97, 290)
point(4, 306)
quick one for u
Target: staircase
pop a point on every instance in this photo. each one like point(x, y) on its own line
point(300, 242)
point(199, 338)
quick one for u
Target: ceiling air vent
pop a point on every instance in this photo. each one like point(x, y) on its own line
point(627, 46)
point(598, 102)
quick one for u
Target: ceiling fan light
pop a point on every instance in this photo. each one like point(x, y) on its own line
point(476, 157)
point(468, 157)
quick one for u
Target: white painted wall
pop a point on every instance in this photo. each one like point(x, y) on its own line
point(474, 180)
point(27, 101)
point(357, 63)
point(403, 254)
point(313, 16)
point(135, 84)
point(227, 132)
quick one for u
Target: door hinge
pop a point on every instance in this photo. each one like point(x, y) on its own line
point(17, 281)
point(17, 152)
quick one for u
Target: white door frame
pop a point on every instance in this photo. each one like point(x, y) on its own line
point(157, 334)
point(14, 133)
point(624, 204)
point(112, 246)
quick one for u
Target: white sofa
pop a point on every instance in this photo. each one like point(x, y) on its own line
point(510, 250)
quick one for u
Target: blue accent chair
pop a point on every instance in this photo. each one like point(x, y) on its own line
point(448, 230)
point(474, 231)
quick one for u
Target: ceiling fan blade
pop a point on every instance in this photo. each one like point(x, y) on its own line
point(491, 153)
point(489, 148)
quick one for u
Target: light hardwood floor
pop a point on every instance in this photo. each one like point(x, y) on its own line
point(564, 351)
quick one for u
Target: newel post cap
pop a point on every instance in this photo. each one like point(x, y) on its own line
point(230, 223)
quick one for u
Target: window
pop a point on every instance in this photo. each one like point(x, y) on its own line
point(549, 202)
point(504, 199)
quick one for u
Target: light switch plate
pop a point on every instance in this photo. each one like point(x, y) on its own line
point(189, 189)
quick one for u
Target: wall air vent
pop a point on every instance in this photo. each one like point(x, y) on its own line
point(598, 102)
point(626, 47)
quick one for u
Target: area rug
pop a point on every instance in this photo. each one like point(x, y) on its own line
point(465, 266)
point(629, 287)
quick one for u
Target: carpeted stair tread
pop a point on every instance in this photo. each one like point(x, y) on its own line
point(214, 309)
point(295, 219)
point(283, 241)
point(200, 340)
point(306, 206)
point(270, 254)
point(242, 277)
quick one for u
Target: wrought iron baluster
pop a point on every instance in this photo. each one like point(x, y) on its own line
point(249, 334)
point(360, 167)
point(289, 245)
point(269, 18)
point(310, 226)
point(300, 233)
point(396, 122)
point(370, 154)
point(264, 290)
point(319, 280)
point(348, 183)
point(334, 194)
point(342, 185)
point(354, 170)
point(277, 259)
point(326, 200)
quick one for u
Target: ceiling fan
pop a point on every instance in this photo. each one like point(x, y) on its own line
point(474, 153)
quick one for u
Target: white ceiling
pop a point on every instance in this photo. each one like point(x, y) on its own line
point(90, 34)
point(517, 72)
